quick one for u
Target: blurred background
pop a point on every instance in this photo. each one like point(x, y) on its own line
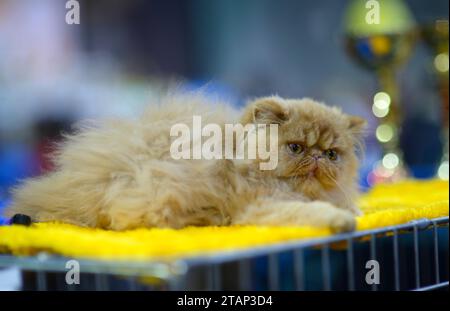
point(125, 54)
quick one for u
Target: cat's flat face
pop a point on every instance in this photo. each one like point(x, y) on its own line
point(316, 143)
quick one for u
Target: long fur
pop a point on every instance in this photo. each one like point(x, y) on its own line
point(119, 174)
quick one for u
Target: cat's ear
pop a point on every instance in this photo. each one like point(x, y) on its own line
point(356, 125)
point(266, 110)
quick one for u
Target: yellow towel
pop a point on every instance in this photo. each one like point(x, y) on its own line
point(384, 205)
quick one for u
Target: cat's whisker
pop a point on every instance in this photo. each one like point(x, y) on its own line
point(328, 174)
point(303, 164)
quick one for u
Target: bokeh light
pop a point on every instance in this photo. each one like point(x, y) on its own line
point(443, 171)
point(381, 103)
point(384, 133)
point(441, 62)
point(380, 112)
point(382, 100)
point(391, 161)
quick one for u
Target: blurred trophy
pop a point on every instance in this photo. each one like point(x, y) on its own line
point(436, 37)
point(380, 36)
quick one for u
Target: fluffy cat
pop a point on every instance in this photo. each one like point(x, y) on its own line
point(120, 175)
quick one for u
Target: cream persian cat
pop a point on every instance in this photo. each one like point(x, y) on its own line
point(120, 175)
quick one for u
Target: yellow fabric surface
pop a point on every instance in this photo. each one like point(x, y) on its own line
point(384, 205)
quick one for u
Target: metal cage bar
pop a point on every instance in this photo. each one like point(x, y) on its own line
point(350, 265)
point(436, 252)
point(396, 260)
point(299, 271)
point(326, 273)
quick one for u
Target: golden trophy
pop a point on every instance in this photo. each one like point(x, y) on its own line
point(380, 36)
point(436, 37)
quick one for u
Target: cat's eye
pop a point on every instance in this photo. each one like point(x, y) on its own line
point(331, 154)
point(295, 148)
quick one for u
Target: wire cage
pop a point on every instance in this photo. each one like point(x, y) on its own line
point(412, 256)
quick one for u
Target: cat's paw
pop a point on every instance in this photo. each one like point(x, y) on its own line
point(337, 219)
point(354, 210)
point(342, 221)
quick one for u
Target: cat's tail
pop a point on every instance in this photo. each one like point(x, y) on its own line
point(53, 197)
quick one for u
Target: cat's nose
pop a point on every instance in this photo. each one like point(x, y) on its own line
point(316, 156)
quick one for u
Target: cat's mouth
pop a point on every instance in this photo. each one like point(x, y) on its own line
point(312, 172)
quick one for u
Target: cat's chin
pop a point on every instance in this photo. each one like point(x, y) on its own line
point(309, 176)
point(301, 178)
point(311, 185)
point(308, 180)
